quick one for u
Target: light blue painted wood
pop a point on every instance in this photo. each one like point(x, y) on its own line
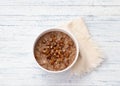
point(59, 3)
point(46, 2)
point(21, 22)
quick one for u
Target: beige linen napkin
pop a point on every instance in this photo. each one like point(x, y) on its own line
point(89, 56)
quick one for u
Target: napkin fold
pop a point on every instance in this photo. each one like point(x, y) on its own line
point(90, 55)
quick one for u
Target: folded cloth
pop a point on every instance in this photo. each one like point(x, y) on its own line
point(90, 55)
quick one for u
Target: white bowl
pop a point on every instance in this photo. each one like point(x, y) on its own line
point(69, 34)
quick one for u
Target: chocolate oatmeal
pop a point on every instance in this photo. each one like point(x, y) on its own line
point(55, 51)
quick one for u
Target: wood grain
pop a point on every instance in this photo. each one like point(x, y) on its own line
point(60, 3)
point(60, 10)
point(21, 21)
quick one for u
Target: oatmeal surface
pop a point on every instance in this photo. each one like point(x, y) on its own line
point(55, 51)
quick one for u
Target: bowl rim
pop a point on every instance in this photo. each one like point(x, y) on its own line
point(66, 32)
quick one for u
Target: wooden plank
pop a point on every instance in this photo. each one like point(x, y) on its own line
point(14, 20)
point(60, 3)
point(56, 17)
point(45, 2)
point(64, 10)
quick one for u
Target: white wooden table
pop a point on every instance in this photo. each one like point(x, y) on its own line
point(22, 20)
